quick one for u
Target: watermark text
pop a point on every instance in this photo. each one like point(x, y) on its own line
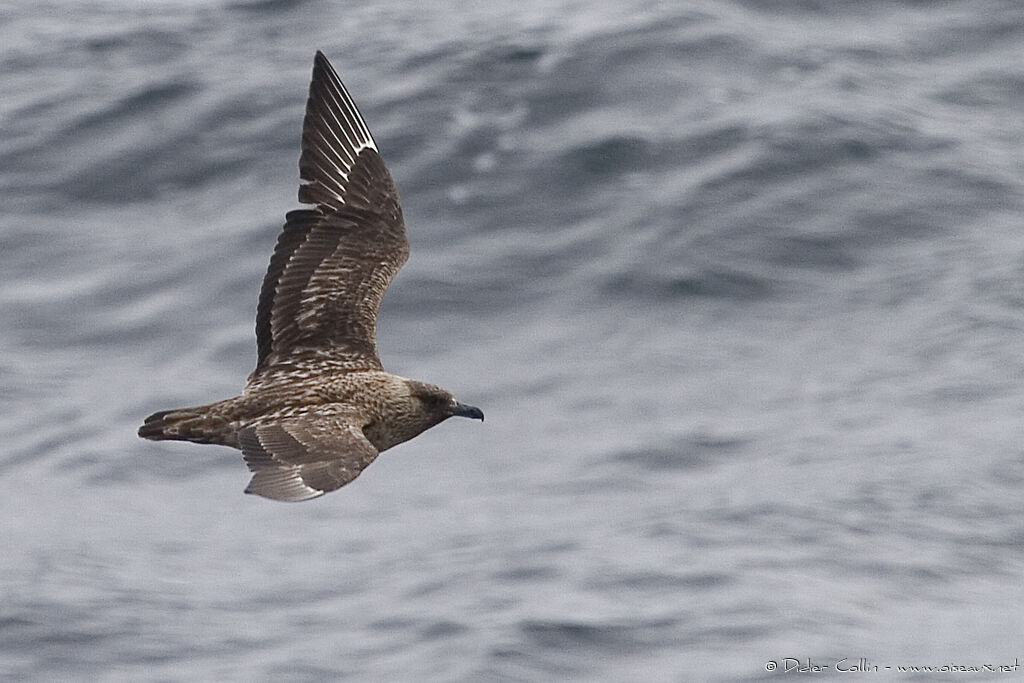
point(854, 665)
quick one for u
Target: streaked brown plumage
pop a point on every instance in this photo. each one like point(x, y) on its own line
point(319, 406)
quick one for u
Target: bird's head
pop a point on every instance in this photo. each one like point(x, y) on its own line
point(440, 403)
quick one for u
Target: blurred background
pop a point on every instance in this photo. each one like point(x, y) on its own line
point(739, 286)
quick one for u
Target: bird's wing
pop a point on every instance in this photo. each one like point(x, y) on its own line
point(333, 263)
point(304, 457)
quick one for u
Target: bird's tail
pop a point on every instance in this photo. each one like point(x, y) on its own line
point(200, 424)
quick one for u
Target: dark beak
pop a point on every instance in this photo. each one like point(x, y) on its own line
point(462, 410)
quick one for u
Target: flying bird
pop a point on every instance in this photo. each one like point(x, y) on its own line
point(319, 406)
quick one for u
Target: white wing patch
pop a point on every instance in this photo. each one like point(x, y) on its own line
point(285, 482)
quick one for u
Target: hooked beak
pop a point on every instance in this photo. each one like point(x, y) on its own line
point(462, 410)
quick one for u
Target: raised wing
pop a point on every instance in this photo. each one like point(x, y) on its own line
point(332, 264)
point(305, 457)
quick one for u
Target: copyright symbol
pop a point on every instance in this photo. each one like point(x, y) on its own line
point(770, 666)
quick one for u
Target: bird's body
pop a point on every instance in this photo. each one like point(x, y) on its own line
point(381, 404)
point(319, 406)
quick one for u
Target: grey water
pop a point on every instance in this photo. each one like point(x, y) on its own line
point(739, 286)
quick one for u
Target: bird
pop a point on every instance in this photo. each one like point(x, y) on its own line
point(319, 406)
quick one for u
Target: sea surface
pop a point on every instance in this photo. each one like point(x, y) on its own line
point(738, 284)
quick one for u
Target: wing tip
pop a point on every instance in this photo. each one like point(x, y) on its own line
point(324, 75)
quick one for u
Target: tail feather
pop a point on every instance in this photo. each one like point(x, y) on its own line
point(153, 427)
point(198, 424)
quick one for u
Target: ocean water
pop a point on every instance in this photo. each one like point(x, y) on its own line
point(739, 286)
